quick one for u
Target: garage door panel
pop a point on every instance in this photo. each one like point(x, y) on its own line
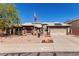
point(58, 30)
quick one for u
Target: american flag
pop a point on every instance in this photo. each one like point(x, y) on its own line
point(35, 17)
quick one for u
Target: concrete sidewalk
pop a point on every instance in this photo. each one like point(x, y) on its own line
point(34, 47)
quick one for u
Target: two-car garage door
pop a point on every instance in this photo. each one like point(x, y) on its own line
point(58, 30)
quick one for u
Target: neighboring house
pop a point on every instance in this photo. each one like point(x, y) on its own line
point(74, 26)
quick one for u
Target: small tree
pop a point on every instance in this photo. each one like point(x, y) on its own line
point(8, 16)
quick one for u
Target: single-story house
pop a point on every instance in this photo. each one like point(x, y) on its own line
point(44, 27)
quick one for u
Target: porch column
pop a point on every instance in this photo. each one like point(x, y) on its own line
point(7, 31)
point(20, 30)
point(67, 31)
point(23, 31)
point(10, 31)
point(13, 31)
point(70, 30)
point(48, 30)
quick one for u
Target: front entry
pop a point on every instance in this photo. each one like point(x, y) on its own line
point(27, 29)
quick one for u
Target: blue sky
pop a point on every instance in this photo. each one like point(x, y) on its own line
point(47, 12)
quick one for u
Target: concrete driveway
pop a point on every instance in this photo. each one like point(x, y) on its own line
point(65, 43)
